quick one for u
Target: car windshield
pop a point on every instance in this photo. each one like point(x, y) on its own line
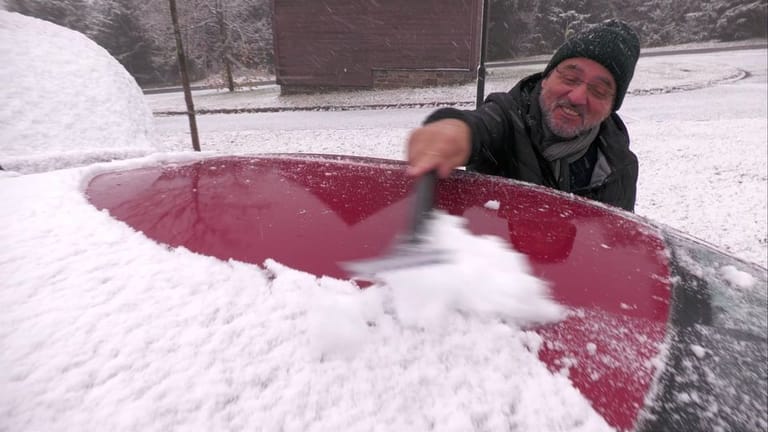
point(714, 372)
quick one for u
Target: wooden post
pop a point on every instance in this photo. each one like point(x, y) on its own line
point(481, 67)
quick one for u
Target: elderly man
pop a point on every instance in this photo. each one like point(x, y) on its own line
point(556, 128)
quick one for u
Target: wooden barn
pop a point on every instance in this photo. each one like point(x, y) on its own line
point(333, 44)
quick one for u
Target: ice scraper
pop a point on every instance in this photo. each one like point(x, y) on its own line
point(411, 248)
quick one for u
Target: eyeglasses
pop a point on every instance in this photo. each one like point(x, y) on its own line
point(597, 90)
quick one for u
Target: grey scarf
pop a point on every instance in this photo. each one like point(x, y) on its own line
point(556, 148)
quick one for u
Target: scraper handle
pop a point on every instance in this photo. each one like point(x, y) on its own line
point(424, 201)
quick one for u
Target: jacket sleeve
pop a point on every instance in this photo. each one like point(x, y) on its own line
point(491, 126)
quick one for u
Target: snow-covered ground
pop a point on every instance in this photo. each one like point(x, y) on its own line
point(101, 328)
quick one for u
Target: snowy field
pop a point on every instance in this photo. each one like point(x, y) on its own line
point(104, 329)
point(697, 123)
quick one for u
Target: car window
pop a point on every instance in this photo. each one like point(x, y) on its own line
point(735, 289)
point(713, 374)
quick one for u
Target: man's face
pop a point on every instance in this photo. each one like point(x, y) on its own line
point(576, 96)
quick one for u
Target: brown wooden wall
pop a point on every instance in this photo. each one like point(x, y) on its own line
point(337, 43)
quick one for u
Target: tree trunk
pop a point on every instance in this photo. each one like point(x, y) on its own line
point(184, 77)
point(224, 45)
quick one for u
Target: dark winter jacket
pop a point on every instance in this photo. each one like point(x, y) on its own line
point(507, 137)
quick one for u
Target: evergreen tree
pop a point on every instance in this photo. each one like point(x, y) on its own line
point(122, 33)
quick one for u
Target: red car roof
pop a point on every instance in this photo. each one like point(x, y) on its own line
point(312, 212)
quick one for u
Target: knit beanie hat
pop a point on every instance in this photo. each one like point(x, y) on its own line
point(611, 43)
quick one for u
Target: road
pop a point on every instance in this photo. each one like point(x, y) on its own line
point(296, 120)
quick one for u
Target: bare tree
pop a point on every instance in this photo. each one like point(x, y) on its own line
point(184, 76)
point(220, 36)
point(224, 45)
